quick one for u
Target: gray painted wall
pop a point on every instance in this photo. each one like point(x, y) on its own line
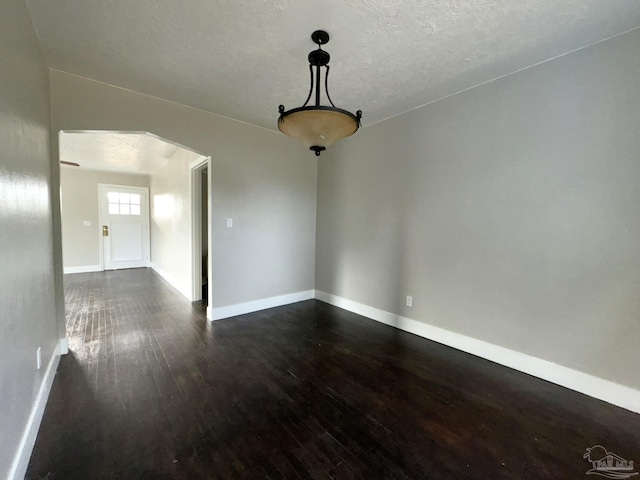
point(79, 191)
point(27, 306)
point(510, 212)
point(262, 179)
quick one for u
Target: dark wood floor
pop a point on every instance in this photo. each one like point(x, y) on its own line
point(151, 390)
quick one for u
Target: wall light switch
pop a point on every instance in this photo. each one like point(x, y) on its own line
point(229, 222)
point(86, 223)
point(409, 301)
point(39, 358)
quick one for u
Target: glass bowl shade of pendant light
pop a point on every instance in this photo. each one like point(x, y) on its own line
point(318, 126)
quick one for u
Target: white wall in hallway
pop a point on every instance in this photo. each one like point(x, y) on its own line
point(170, 219)
point(79, 191)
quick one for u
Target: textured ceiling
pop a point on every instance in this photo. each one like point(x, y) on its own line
point(242, 58)
point(127, 152)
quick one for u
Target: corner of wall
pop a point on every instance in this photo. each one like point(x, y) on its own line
point(608, 391)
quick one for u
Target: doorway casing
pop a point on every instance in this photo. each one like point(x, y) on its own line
point(196, 170)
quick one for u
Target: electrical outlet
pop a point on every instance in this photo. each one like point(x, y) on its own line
point(409, 301)
point(38, 358)
point(229, 222)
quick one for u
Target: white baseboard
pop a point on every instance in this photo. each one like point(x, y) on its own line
point(219, 313)
point(172, 281)
point(209, 313)
point(83, 269)
point(610, 392)
point(28, 440)
point(63, 346)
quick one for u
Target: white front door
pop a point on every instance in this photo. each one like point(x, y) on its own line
point(124, 221)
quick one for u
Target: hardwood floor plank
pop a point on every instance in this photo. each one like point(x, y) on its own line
point(152, 390)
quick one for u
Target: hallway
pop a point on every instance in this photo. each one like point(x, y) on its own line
point(152, 390)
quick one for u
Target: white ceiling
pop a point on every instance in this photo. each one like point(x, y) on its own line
point(127, 152)
point(242, 58)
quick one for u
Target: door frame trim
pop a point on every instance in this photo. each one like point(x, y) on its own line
point(100, 220)
point(195, 192)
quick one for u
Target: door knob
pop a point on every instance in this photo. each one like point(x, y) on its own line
point(105, 230)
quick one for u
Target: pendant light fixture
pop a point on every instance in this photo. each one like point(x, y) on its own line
point(318, 126)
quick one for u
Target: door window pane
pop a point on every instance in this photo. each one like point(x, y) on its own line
point(124, 203)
